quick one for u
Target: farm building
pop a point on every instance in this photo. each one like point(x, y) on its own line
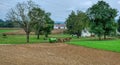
point(85, 32)
point(60, 26)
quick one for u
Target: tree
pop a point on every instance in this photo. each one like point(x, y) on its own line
point(6, 24)
point(43, 21)
point(9, 24)
point(49, 25)
point(20, 15)
point(118, 24)
point(77, 22)
point(37, 15)
point(1, 20)
point(69, 22)
point(1, 23)
point(102, 19)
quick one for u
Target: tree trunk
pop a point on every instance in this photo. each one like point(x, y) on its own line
point(38, 36)
point(78, 34)
point(27, 37)
point(104, 36)
point(46, 35)
point(38, 32)
point(99, 38)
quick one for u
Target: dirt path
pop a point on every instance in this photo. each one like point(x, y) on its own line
point(55, 54)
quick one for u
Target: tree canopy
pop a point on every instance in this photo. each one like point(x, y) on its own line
point(42, 20)
point(76, 22)
point(19, 14)
point(118, 24)
point(102, 19)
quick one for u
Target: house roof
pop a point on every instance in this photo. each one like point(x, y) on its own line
point(60, 25)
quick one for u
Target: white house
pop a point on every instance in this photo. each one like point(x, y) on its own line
point(60, 26)
point(85, 33)
point(117, 32)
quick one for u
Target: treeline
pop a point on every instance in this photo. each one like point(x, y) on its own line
point(31, 17)
point(6, 24)
point(99, 19)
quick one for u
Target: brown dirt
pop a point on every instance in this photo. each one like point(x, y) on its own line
point(58, 31)
point(22, 32)
point(18, 32)
point(55, 54)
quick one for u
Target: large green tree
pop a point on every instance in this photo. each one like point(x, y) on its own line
point(49, 25)
point(102, 19)
point(42, 20)
point(76, 22)
point(118, 24)
point(69, 22)
point(37, 15)
point(19, 14)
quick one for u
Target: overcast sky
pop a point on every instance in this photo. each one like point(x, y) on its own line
point(60, 9)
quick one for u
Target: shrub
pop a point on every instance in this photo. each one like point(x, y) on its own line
point(4, 35)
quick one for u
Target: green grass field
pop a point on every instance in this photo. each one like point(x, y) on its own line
point(21, 39)
point(111, 45)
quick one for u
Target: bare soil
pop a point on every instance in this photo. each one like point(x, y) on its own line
point(22, 32)
point(18, 32)
point(55, 54)
point(58, 31)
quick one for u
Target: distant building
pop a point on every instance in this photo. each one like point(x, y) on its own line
point(85, 33)
point(60, 26)
point(117, 32)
